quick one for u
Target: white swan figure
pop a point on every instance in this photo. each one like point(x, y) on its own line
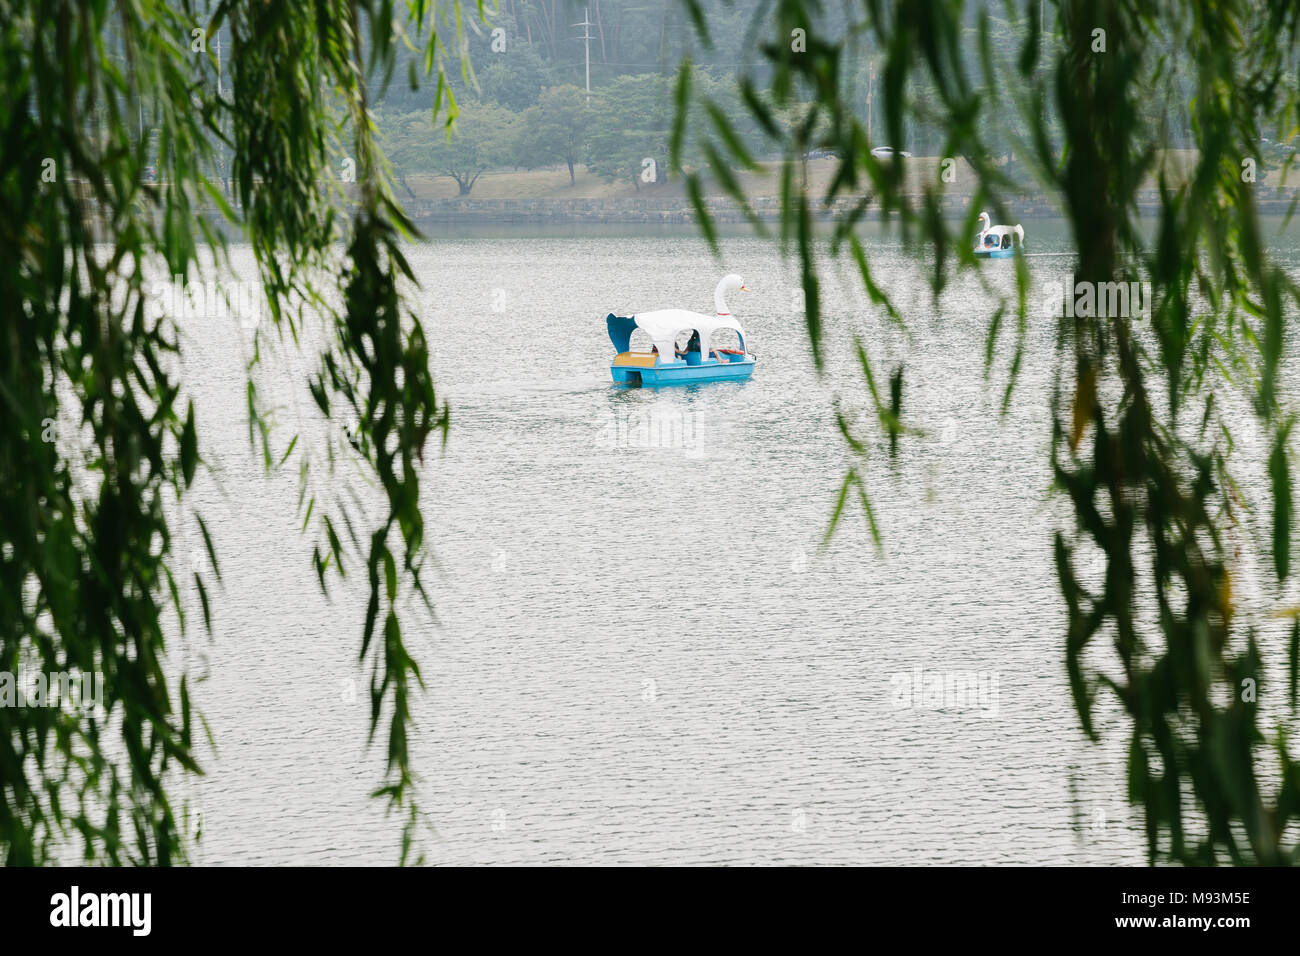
point(729, 283)
point(664, 325)
point(987, 239)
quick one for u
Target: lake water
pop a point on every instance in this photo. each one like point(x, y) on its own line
point(641, 654)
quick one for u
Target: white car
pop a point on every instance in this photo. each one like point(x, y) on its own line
point(884, 152)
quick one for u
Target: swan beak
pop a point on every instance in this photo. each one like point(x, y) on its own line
point(744, 289)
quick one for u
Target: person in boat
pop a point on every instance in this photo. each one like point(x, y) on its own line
point(693, 345)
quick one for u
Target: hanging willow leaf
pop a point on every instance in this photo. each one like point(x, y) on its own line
point(102, 91)
point(1092, 132)
point(1279, 473)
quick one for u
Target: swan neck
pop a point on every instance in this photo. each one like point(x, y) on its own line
point(719, 303)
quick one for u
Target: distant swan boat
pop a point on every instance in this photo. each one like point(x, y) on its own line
point(665, 364)
point(998, 242)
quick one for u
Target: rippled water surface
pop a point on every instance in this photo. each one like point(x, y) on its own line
point(640, 652)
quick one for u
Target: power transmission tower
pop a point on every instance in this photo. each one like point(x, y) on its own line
point(586, 37)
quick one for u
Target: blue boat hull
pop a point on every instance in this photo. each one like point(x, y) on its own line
point(994, 253)
point(680, 373)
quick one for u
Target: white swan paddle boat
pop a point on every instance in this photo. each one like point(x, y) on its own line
point(665, 363)
point(998, 242)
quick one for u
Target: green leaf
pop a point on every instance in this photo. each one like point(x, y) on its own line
point(189, 447)
point(1279, 472)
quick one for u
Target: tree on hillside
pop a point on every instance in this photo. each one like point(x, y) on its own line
point(484, 136)
point(629, 130)
point(407, 140)
point(555, 130)
point(515, 75)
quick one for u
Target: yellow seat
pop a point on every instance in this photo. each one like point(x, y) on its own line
point(636, 359)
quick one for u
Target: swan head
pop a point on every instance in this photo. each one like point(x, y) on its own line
point(730, 283)
point(984, 218)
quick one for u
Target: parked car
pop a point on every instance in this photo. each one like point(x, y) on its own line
point(884, 152)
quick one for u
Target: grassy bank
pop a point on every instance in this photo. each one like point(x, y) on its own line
point(554, 183)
